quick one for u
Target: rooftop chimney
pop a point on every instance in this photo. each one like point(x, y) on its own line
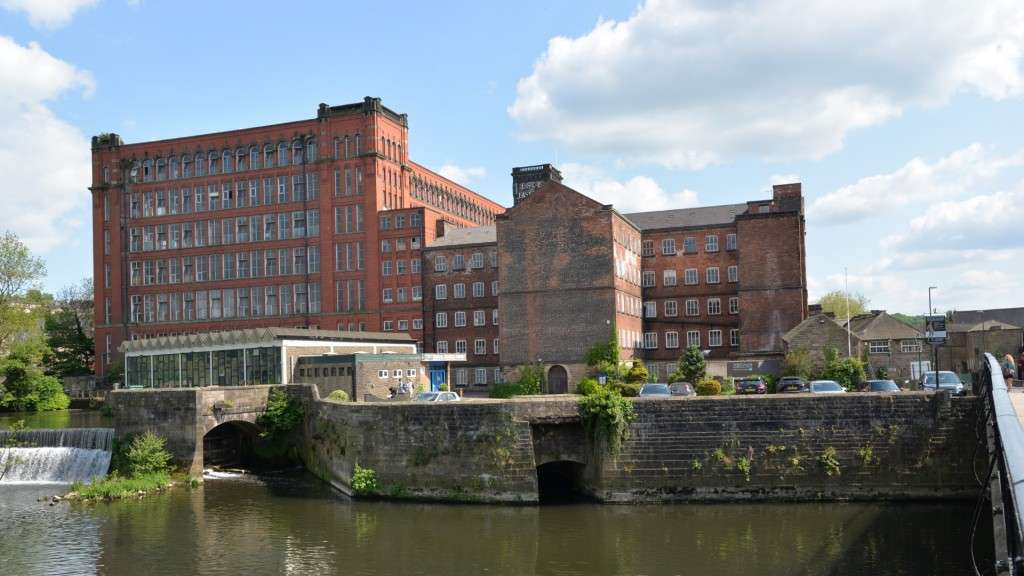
point(526, 179)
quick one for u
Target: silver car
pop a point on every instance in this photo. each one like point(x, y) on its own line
point(649, 390)
point(826, 387)
point(947, 381)
point(437, 397)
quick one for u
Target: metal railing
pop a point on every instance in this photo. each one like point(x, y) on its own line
point(1006, 470)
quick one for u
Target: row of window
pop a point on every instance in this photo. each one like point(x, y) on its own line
point(691, 276)
point(668, 245)
point(415, 220)
point(399, 267)
point(240, 159)
point(461, 376)
point(225, 266)
point(626, 304)
point(693, 338)
point(449, 200)
point(403, 324)
point(225, 196)
point(239, 230)
point(396, 373)
point(350, 296)
point(670, 308)
point(399, 244)
point(459, 290)
point(401, 294)
point(248, 302)
point(459, 317)
point(479, 347)
point(882, 346)
point(476, 261)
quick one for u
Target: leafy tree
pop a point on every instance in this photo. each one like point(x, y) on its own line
point(848, 372)
point(835, 302)
point(604, 357)
point(692, 366)
point(914, 321)
point(20, 272)
point(71, 350)
point(798, 362)
point(25, 386)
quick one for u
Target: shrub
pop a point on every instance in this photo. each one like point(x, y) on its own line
point(364, 480)
point(606, 416)
point(115, 487)
point(798, 362)
point(708, 387)
point(882, 373)
point(338, 396)
point(692, 366)
point(588, 386)
point(531, 379)
point(146, 455)
point(728, 386)
point(829, 461)
point(627, 389)
point(637, 373)
point(283, 414)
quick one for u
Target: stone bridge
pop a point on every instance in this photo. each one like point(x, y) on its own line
point(187, 416)
point(790, 447)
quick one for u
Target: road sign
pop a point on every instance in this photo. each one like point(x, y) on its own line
point(935, 329)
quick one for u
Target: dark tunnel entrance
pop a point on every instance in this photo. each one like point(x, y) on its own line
point(229, 445)
point(561, 482)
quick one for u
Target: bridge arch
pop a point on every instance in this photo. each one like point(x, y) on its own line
point(230, 444)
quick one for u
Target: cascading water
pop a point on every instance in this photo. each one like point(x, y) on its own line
point(61, 455)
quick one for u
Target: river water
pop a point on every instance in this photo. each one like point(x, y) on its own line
point(291, 523)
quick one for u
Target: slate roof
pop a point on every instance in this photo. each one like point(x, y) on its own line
point(686, 217)
point(466, 236)
point(1012, 316)
point(813, 325)
point(257, 335)
point(881, 326)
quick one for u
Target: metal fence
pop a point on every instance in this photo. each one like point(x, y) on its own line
point(1006, 470)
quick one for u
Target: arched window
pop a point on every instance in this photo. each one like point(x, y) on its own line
point(268, 156)
point(213, 161)
point(254, 157)
point(175, 167)
point(147, 170)
point(186, 166)
point(138, 172)
point(358, 144)
point(240, 159)
point(200, 164)
point(311, 149)
point(282, 154)
point(161, 169)
point(226, 159)
point(296, 151)
point(347, 151)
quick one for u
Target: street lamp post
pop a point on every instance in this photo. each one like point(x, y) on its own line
point(935, 347)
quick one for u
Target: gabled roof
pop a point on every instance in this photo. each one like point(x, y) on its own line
point(260, 335)
point(466, 236)
point(881, 326)
point(687, 217)
point(982, 326)
point(813, 325)
point(1011, 316)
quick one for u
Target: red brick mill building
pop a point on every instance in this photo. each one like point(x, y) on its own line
point(326, 223)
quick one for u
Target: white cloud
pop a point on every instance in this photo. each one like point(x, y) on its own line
point(983, 222)
point(917, 181)
point(45, 161)
point(686, 82)
point(48, 13)
point(638, 194)
point(462, 174)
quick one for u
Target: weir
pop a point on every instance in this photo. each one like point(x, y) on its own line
point(61, 455)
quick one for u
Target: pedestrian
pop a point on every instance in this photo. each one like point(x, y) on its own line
point(1009, 370)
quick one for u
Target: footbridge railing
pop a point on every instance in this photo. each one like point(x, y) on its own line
point(1005, 493)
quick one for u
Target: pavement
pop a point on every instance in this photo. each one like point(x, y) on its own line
point(1017, 399)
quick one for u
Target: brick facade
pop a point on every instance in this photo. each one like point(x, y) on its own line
point(240, 229)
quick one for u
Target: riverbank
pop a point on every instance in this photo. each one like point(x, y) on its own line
point(116, 487)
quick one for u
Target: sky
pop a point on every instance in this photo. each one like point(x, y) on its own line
point(902, 119)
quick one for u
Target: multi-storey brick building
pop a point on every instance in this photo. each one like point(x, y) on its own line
point(237, 229)
point(460, 305)
point(728, 279)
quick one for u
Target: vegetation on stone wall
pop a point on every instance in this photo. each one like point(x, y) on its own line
point(283, 414)
point(606, 416)
point(529, 382)
point(364, 480)
point(338, 396)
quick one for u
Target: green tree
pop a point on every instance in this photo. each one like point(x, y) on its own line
point(20, 305)
point(604, 357)
point(835, 302)
point(692, 366)
point(848, 372)
point(798, 362)
point(637, 373)
point(25, 386)
point(71, 350)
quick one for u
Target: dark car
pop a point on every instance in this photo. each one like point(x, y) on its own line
point(751, 386)
point(947, 381)
point(880, 386)
point(791, 384)
point(681, 389)
point(649, 390)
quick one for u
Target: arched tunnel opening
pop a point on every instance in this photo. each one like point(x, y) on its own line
point(561, 482)
point(230, 445)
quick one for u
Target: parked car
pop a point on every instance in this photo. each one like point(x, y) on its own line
point(825, 387)
point(755, 385)
point(791, 384)
point(947, 381)
point(437, 397)
point(880, 386)
point(655, 390)
point(681, 389)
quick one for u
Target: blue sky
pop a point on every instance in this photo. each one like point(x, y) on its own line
point(905, 130)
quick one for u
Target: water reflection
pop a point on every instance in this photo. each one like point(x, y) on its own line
point(296, 525)
point(57, 419)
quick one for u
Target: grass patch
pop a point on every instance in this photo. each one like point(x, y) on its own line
point(115, 487)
